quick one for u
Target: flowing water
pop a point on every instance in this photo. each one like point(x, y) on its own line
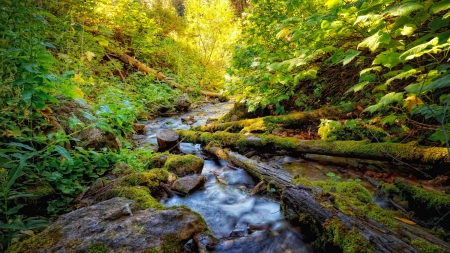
point(223, 200)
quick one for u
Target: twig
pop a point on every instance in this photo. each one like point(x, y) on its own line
point(120, 72)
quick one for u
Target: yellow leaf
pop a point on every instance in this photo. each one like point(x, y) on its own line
point(412, 101)
point(283, 33)
point(78, 92)
point(77, 78)
point(89, 55)
point(410, 222)
point(408, 29)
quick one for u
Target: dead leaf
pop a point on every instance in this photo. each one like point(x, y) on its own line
point(410, 222)
point(89, 55)
point(411, 101)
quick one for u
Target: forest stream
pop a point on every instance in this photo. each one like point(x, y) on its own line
point(231, 215)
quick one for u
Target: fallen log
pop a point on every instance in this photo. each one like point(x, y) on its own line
point(301, 200)
point(159, 75)
point(386, 151)
point(297, 118)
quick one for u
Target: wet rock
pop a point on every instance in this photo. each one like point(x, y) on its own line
point(184, 165)
point(203, 243)
point(89, 138)
point(139, 128)
point(187, 184)
point(183, 102)
point(282, 241)
point(116, 225)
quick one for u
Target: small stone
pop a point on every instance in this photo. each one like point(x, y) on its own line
point(187, 184)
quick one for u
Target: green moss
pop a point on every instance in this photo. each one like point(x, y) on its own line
point(423, 200)
point(350, 241)
point(171, 243)
point(301, 180)
point(279, 142)
point(39, 191)
point(390, 189)
point(97, 247)
point(183, 165)
point(43, 240)
point(384, 217)
point(150, 179)
point(140, 194)
point(74, 243)
point(427, 247)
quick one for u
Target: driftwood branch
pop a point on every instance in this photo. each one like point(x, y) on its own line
point(159, 75)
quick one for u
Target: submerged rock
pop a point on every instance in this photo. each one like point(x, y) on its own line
point(92, 137)
point(116, 225)
point(187, 184)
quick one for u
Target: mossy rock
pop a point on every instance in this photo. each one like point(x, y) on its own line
point(41, 241)
point(150, 179)
point(158, 161)
point(184, 165)
point(140, 194)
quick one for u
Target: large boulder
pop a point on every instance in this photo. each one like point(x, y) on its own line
point(187, 184)
point(116, 225)
point(92, 137)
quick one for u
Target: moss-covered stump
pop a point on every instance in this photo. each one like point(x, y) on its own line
point(184, 165)
point(116, 225)
point(293, 119)
point(427, 204)
point(409, 152)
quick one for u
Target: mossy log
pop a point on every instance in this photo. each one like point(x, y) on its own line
point(301, 200)
point(386, 151)
point(377, 236)
point(425, 203)
point(159, 75)
point(297, 118)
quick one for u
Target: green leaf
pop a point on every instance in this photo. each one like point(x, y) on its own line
point(32, 224)
point(388, 120)
point(439, 83)
point(21, 145)
point(438, 136)
point(402, 75)
point(358, 86)
point(418, 50)
point(349, 56)
point(385, 101)
point(376, 68)
point(62, 151)
point(387, 59)
point(88, 115)
point(403, 9)
point(440, 6)
point(374, 41)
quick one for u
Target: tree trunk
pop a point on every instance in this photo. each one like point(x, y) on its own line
point(409, 152)
point(159, 75)
point(301, 200)
point(297, 118)
point(167, 140)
